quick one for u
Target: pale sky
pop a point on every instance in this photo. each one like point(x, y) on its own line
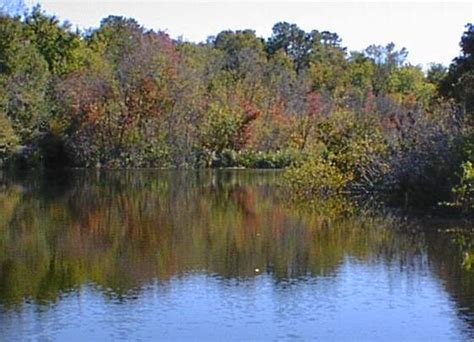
point(431, 31)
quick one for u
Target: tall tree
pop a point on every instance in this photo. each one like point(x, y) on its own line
point(59, 46)
point(459, 82)
point(24, 78)
point(292, 40)
point(386, 59)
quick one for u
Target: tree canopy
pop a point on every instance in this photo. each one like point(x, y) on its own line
point(122, 95)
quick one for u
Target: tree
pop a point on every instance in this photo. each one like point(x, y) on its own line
point(408, 85)
point(221, 128)
point(459, 83)
point(24, 77)
point(292, 40)
point(436, 73)
point(60, 47)
point(122, 113)
point(386, 59)
point(116, 38)
point(238, 43)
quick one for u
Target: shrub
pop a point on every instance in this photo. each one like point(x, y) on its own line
point(464, 191)
point(317, 176)
point(349, 154)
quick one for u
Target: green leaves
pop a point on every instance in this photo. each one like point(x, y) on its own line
point(124, 96)
point(464, 191)
point(459, 82)
point(220, 127)
point(347, 158)
point(317, 176)
point(24, 80)
point(8, 139)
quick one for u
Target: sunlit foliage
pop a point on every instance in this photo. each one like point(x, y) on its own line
point(121, 96)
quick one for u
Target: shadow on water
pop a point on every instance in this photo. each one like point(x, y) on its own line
point(124, 230)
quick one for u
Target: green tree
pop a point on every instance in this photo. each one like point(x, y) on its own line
point(24, 79)
point(59, 46)
point(436, 74)
point(292, 40)
point(459, 83)
point(409, 85)
point(386, 59)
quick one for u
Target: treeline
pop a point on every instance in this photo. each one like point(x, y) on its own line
point(125, 96)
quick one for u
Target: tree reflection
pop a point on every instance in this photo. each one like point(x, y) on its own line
point(122, 230)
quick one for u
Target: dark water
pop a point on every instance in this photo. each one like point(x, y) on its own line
point(219, 256)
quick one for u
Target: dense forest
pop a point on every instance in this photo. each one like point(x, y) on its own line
point(123, 96)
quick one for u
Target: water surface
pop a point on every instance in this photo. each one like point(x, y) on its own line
point(219, 255)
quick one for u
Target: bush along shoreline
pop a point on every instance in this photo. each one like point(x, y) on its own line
point(339, 121)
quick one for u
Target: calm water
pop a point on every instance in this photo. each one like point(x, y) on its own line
point(219, 256)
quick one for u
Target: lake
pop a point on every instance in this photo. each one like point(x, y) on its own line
point(220, 255)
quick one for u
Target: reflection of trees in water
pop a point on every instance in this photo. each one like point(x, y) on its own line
point(450, 244)
point(121, 230)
